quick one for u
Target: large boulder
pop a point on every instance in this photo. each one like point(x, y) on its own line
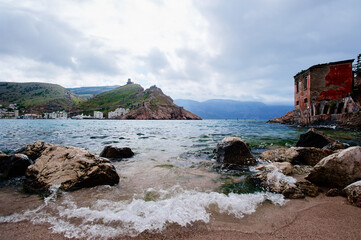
point(34, 150)
point(71, 168)
point(114, 152)
point(232, 150)
point(296, 155)
point(339, 169)
point(314, 138)
point(13, 165)
point(353, 192)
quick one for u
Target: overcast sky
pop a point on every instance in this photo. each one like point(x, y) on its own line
point(234, 49)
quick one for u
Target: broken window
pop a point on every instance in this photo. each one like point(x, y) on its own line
point(305, 82)
point(340, 107)
point(297, 88)
point(325, 109)
point(305, 101)
point(298, 103)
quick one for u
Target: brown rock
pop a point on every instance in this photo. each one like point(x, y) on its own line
point(71, 168)
point(34, 150)
point(114, 152)
point(232, 150)
point(339, 169)
point(288, 118)
point(314, 138)
point(333, 192)
point(296, 155)
point(307, 188)
point(353, 192)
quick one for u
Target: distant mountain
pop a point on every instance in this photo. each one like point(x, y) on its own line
point(151, 103)
point(38, 97)
point(230, 109)
point(90, 91)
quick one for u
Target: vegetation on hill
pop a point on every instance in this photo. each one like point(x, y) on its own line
point(130, 96)
point(38, 97)
point(88, 92)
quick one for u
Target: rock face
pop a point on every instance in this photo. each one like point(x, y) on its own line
point(161, 112)
point(71, 168)
point(34, 150)
point(339, 169)
point(296, 155)
point(114, 152)
point(314, 138)
point(13, 165)
point(232, 150)
point(353, 192)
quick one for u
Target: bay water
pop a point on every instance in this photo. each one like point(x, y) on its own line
point(170, 180)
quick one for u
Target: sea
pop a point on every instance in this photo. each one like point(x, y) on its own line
point(173, 179)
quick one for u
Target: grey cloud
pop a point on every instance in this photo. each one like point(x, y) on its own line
point(43, 38)
point(156, 60)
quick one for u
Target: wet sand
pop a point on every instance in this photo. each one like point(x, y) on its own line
point(311, 218)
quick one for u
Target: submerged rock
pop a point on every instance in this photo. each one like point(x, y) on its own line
point(273, 179)
point(353, 192)
point(233, 150)
point(296, 155)
point(34, 150)
point(13, 165)
point(114, 152)
point(71, 168)
point(339, 169)
point(314, 138)
point(284, 167)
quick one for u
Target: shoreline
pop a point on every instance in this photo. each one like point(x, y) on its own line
point(312, 218)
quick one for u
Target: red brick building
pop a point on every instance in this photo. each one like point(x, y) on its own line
point(324, 90)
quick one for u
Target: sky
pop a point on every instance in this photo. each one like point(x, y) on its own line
point(199, 50)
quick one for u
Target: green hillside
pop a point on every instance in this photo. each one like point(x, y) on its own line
point(129, 96)
point(39, 97)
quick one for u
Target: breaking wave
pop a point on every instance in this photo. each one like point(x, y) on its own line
point(107, 219)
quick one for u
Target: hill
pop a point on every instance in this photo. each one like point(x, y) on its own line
point(38, 97)
point(230, 109)
point(88, 92)
point(151, 103)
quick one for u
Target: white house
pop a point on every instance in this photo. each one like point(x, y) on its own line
point(118, 113)
point(98, 115)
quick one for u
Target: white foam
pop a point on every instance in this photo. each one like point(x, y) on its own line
point(107, 219)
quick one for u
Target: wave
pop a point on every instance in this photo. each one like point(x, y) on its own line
point(109, 219)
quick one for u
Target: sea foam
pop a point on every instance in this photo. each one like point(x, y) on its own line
point(108, 219)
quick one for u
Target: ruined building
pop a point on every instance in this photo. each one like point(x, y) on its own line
point(326, 94)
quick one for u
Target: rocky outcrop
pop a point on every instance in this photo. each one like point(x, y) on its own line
point(160, 112)
point(34, 150)
point(71, 168)
point(288, 118)
point(339, 169)
point(114, 152)
point(317, 139)
point(353, 192)
point(13, 165)
point(296, 155)
point(233, 150)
